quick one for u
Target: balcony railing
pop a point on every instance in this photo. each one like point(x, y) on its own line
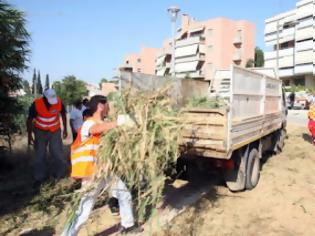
point(237, 56)
point(189, 41)
point(237, 40)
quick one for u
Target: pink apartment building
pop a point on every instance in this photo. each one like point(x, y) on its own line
point(203, 46)
point(143, 62)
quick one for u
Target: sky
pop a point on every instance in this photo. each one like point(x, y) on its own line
point(89, 39)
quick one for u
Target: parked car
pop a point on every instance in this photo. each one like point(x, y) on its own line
point(302, 100)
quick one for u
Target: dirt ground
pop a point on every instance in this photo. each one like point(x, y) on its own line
point(283, 203)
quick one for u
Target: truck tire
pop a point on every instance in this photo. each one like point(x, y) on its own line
point(280, 141)
point(235, 178)
point(182, 168)
point(252, 169)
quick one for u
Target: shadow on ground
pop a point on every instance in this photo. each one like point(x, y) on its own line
point(308, 138)
point(19, 196)
point(47, 231)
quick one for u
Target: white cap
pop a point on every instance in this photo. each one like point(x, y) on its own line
point(51, 96)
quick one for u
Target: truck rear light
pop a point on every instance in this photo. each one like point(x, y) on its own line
point(225, 164)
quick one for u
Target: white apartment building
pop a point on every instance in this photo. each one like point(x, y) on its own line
point(294, 32)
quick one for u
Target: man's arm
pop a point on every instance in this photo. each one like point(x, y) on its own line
point(64, 121)
point(102, 128)
point(29, 123)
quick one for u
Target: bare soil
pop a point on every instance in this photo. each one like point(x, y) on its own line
point(283, 203)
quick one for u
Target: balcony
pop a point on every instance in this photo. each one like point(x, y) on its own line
point(270, 55)
point(197, 57)
point(237, 40)
point(304, 33)
point(305, 11)
point(288, 32)
point(286, 61)
point(190, 41)
point(237, 56)
point(286, 72)
point(305, 23)
point(304, 69)
point(193, 75)
point(282, 53)
point(305, 45)
point(270, 63)
point(304, 57)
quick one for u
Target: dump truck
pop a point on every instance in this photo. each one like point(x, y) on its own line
point(236, 136)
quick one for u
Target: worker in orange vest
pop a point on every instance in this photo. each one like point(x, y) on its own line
point(83, 161)
point(311, 121)
point(44, 122)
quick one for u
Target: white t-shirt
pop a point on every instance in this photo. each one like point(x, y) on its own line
point(83, 108)
point(76, 117)
point(86, 128)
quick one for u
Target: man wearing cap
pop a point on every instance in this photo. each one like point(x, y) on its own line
point(44, 122)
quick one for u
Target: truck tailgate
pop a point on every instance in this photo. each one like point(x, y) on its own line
point(205, 133)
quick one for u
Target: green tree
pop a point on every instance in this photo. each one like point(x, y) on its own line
point(14, 54)
point(259, 57)
point(26, 87)
point(70, 89)
point(34, 83)
point(103, 80)
point(47, 83)
point(39, 84)
point(250, 63)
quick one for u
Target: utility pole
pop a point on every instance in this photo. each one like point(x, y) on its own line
point(278, 49)
point(173, 12)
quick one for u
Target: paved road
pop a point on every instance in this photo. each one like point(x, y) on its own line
point(298, 117)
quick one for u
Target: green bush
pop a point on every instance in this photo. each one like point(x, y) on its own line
point(19, 119)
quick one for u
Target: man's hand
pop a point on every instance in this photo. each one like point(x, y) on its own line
point(30, 139)
point(125, 120)
point(65, 134)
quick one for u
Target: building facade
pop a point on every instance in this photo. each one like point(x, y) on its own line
point(142, 62)
point(290, 36)
point(201, 47)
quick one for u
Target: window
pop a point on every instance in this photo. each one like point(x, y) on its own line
point(196, 34)
point(139, 60)
point(210, 32)
point(300, 81)
point(127, 62)
point(139, 70)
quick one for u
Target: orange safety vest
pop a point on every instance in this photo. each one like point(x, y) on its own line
point(47, 120)
point(311, 112)
point(83, 155)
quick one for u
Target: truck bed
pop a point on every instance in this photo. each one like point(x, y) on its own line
point(205, 132)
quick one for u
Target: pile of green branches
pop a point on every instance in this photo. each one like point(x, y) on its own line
point(140, 155)
point(205, 102)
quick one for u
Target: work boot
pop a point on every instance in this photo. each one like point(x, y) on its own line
point(113, 206)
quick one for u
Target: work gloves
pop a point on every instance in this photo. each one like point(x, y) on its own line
point(126, 121)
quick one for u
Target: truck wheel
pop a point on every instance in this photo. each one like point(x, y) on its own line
point(235, 179)
point(252, 169)
point(182, 168)
point(280, 141)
